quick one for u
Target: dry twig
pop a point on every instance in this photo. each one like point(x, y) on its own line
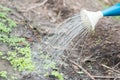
point(110, 68)
point(85, 71)
point(116, 65)
point(64, 3)
point(35, 6)
point(107, 77)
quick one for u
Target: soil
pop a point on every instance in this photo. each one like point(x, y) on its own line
point(36, 19)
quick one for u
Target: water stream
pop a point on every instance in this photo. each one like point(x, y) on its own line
point(65, 33)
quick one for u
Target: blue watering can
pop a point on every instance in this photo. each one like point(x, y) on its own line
point(112, 11)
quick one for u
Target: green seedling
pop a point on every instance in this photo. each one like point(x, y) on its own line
point(13, 78)
point(57, 75)
point(3, 28)
point(21, 59)
point(1, 54)
point(3, 74)
point(20, 54)
point(11, 23)
point(14, 41)
point(3, 15)
point(4, 9)
point(50, 64)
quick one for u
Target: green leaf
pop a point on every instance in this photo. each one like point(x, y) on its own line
point(3, 74)
point(5, 8)
point(1, 54)
point(11, 23)
point(3, 15)
point(58, 75)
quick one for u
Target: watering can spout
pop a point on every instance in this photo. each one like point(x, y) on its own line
point(93, 17)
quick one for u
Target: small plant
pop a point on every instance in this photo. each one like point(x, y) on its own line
point(50, 64)
point(57, 75)
point(3, 74)
point(4, 9)
point(21, 61)
point(1, 54)
point(13, 78)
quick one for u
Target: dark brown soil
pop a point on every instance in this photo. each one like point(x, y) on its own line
point(100, 56)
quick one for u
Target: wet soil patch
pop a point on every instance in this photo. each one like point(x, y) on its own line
point(100, 55)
